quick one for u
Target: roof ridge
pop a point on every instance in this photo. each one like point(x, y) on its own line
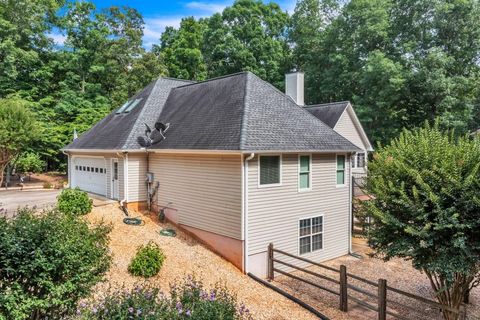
point(244, 113)
point(145, 105)
point(177, 79)
point(216, 78)
point(326, 104)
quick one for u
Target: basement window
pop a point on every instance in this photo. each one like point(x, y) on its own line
point(270, 170)
point(310, 235)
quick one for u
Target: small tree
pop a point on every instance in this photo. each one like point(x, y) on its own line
point(48, 262)
point(30, 162)
point(17, 128)
point(426, 208)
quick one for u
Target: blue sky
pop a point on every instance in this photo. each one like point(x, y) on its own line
point(159, 14)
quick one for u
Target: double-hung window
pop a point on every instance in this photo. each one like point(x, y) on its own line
point(360, 160)
point(304, 172)
point(340, 169)
point(310, 234)
point(270, 170)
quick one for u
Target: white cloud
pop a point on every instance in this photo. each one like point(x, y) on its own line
point(58, 38)
point(206, 6)
point(155, 26)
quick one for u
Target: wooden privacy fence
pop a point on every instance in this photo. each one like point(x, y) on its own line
point(377, 291)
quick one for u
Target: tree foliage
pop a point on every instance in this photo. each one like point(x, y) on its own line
point(427, 208)
point(17, 130)
point(400, 62)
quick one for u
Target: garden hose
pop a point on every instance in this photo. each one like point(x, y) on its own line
point(133, 221)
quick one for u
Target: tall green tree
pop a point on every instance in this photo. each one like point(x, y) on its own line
point(17, 130)
point(400, 62)
point(427, 208)
point(249, 35)
point(182, 50)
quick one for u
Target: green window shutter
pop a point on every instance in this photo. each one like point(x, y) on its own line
point(269, 170)
point(341, 169)
point(304, 174)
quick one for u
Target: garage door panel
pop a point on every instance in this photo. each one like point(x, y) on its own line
point(89, 174)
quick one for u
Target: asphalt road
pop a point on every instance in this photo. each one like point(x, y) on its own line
point(11, 200)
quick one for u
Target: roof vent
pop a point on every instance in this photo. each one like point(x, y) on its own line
point(157, 134)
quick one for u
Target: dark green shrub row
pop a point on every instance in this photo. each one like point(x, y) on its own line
point(48, 262)
point(187, 300)
point(148, 261)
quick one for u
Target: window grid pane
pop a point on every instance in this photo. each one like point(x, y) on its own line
point(305, 245)
point(317, 225)
point(304, 163)
point(304, 180)
point(269, 170)
point(317, 242)
point(305, 227)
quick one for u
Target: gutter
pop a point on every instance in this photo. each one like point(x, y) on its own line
point(245, 210)
point(350, 194)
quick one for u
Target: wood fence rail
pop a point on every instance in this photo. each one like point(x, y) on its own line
point(379, 291)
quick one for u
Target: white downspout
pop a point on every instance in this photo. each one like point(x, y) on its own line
point(350, 193)
point(245, 209)
point(125, 177)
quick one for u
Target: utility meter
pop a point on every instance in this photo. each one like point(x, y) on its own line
point(150, 177)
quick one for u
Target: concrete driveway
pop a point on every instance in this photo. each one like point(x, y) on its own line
point(11, 200)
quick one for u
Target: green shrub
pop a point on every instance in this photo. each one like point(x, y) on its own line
point(188, 300)
point(30, 162)
point(74, 202)
point(147, 261)
point(48, 262)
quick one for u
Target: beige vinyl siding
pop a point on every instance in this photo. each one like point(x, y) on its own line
point(137, 169)
point(205, 189)
point(346, 127)
point(274, 212)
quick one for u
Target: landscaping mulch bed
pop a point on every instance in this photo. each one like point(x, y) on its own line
point(399, 274)
point(185, 256)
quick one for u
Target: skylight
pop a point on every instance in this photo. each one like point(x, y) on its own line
point(123, 107)
point(132, 105)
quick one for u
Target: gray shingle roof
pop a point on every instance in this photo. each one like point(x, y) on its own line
point(235, 112)
point(329, 113)
point(120, 131)
point(242, 112)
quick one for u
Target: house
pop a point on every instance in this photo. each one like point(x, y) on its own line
point(233, 161)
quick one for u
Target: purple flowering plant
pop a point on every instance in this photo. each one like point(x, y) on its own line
point(187, 299)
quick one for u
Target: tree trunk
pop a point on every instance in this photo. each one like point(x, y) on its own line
point(450, 294)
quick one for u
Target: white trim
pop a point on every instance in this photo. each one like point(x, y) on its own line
point(194, 151)
point(310, 173)
point(258, 172)
point(311, 234)
point(344, 170)
point(112, 180)
point(245, 173)
point(125, 176)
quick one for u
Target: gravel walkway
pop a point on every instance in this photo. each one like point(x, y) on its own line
point(399, 274)
point(186, 256)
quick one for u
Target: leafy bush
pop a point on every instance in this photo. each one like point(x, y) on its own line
point(48, 262)
point(188, 300)
point(148, 261)
point(30, 162)
point(74, 202)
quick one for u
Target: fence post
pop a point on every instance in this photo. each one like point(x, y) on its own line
point(343, 289)
point(270, 274)
point(382, 299)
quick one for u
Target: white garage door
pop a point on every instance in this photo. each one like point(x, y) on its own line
point(89, 174)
